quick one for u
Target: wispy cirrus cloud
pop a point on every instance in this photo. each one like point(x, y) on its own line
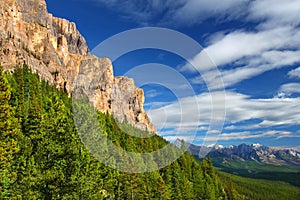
point(143, 12)
point(270, 112)
point(289, 89)
point(275, 13)
point(195, 11)
point(179, 12)
point(294, 73)
point(241, 44)
point(266, 61)
point(244, 135)
point(152, 93)
point(272, 44)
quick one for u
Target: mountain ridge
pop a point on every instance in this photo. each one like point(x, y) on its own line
point(243, 152)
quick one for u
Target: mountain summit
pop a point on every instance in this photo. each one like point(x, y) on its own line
point(244, 152)
point(54, 49)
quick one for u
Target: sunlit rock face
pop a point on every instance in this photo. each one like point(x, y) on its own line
point(54, 48)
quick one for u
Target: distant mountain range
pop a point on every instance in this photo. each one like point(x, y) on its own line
point(243, 152)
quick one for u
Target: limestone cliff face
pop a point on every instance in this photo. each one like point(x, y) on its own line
point(117, 95)
point(54, 48)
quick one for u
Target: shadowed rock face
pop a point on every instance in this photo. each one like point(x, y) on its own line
point(54, 48)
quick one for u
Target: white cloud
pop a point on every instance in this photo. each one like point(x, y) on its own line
point(275, 12)
point(239, 107)
point(290, 88)
point(239, 44)
point(265, 62)
point(242, 127)
point(152, 93)
point(250, 135)
point(295, 73)
point(244, 135)
point(251, 67)
point(273, 44)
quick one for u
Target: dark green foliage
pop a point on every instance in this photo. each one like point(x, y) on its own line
point(252, 180)
point(9, 135)
point(43, 157)
point(252, 169)
point(256, 189)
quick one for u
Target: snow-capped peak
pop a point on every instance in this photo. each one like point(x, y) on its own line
point(256, 145)
point(216, 146)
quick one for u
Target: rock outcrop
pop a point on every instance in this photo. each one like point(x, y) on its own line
point(54, 48)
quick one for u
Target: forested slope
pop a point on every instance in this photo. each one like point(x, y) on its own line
point(43, 157)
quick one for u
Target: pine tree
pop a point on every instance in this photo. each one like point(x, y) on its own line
point(20, 93)
point(55, 151)
point(9, 133)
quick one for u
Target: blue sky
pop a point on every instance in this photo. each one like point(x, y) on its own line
point(254, 44)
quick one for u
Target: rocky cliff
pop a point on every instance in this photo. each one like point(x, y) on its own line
point(54, 48)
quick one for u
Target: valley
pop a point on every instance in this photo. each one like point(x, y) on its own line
point(244, 168)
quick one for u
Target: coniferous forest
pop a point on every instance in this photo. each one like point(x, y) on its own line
point(43, 157)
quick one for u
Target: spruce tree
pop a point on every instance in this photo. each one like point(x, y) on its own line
point(9, 133)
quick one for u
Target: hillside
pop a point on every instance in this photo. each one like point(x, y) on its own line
point(43, 157)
